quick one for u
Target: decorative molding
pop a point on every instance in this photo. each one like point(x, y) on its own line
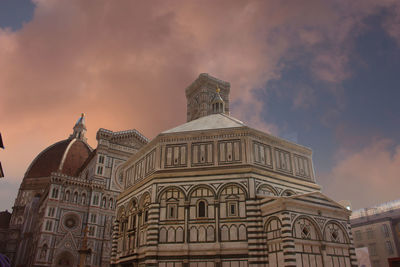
point(216, 185)
point(245, 184)
point(320, 221)
point(186, 187)
point(279, 190)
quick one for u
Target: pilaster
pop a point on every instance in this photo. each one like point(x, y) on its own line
point(255, 234)
point(289, 254)
point(152, 234)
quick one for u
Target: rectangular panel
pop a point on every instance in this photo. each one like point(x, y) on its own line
point(202, 154)
point(262, 154)
point(210, 153)
point(301, 166)
point(283, 161)
point(222, 152)
point(256, 152)
point(229, 151)
point(236, 151)
point(183, 155)
point(169, 156)
point(175, 156)
point(195, 154)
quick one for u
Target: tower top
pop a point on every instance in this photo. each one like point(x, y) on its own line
point(203, 92)
point(80, 128)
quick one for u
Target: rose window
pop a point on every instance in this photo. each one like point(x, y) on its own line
point(71, 222)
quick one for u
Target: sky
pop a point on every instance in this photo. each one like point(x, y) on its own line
point(324, 74)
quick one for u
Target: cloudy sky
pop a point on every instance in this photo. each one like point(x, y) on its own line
point(325, 74)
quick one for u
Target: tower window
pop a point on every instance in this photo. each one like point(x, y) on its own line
point(75, 197)
point(110, 203)
point(385, 230)
point(93, 218)
point(91, 230)
point(50, 211)
point(103, 202)
point(100, 170)
point(54, 193)
point(101, 159)
point(49, 225)
point(43, 252)
point(95, 200)
point(67, 194)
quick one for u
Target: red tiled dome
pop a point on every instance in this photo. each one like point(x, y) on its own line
point(66, 156)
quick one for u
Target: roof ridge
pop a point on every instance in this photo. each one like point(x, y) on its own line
point(233, 119)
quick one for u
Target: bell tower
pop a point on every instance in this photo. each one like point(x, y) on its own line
point(202, 97)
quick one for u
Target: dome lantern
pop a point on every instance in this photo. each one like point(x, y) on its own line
point(80, 129)
point(218, 104)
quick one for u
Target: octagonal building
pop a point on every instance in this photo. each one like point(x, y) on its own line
point(215, 192)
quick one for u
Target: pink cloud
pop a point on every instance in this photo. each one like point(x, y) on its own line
point(126, 65)
point(392, 23)
point(366, 177)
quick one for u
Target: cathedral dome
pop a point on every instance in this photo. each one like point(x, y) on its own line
point(66, 156)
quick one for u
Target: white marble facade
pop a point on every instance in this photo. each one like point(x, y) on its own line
point(52, 214)
point(215, 192)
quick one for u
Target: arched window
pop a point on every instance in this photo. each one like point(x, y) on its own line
point(171, 202)
point(95, 200)
point(103, 202)
point(43, 252)
point(288, 193)
point(202, 202)
point(266, 190)
point(54, 193)
point(305, 229)
point(110, 203)
point(133, 213)
point(83, 198)
point(76, 197)
point(231, 197)
point(67, 195)
point(201, 209)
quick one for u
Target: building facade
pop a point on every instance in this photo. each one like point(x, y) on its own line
point(68, 195)
point(215, 192)
point(378, 228)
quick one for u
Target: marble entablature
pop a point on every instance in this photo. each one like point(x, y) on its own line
point(243, 147)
